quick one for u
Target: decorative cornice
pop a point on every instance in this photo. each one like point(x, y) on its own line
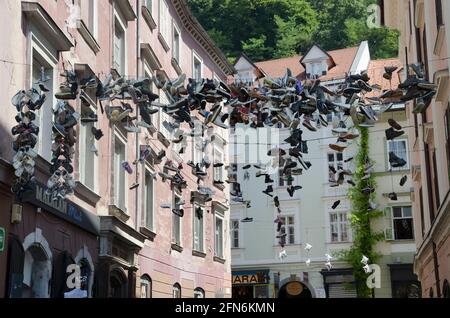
point(201, 37)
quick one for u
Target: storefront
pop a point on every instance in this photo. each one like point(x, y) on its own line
point(45, 237)
point(251, 284)
point(339, 283)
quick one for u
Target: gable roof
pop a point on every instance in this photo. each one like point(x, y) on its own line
point(261, 72)
point(325, 52)
point(343, 59)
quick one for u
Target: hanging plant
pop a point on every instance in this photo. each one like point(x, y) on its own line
point(361, 216)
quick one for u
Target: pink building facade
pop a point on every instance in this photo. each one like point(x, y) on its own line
point(118, 233)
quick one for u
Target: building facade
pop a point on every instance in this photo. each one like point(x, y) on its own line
point(113, 226)
point(425, 40)
point(309, 217)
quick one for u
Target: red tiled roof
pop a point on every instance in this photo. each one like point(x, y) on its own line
point(343, 59)
point(376, 71)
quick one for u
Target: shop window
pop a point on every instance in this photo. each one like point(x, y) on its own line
point(146, 287)
point(118, 285)
point(199, 293)
point(176, 291)
point(37, 273)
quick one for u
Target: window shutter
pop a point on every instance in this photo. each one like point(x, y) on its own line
point(388, 230)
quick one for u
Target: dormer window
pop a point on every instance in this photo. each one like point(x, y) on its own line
point(317, 69)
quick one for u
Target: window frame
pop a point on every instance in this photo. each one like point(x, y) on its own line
point(288, 228)
point(221, 217)
point(43, 54)
point(197, 57)
point(388, 143)
point(234, 230)
point(176, 54)
point(176, 288)
point(146, 280)
point(339, 224)
point(149, 172)
point(201, 240)
point(218, 171)
point(402, 218)
point(161, 24)
point(118, 21)
point(199, 291)
point(85, 131)
point(176, 194)
point(117, 165)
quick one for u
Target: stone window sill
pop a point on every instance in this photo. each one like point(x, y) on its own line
point(163, 42)
point(148, 17)
point(219, 260)
point(177, 247)
point(198, 254)
point(147, 232)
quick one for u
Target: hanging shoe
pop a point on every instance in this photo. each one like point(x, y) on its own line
point(335, 204)
point(394, 124)
point(403, 180)
point(393, 196)
point(269, 190)
point(395, 161)
point(127, 167)
point(392, 134)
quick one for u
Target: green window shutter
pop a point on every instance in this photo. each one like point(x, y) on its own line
point(388, 229)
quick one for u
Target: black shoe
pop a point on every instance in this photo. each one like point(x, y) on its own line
point(336, 204)
point(403, 180)
point(179, 212)
point(269, 190)
point(351, 182)
point(161, 155)
point(98, 134)
point(268, 179)
point(395, 161)
point(393, 196)
point(332, 169)
point(348, 160)
point(291, 190)
point(276, 202)
point(247, 220)
point(392, 134)
point(246, 167)
point(394, 124)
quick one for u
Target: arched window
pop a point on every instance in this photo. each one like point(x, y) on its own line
point(199, 293)
point(176, 290)
point(446, 289)
point(146, 286)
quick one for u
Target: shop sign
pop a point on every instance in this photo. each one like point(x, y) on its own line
point(2, 239)
point(63, 209)
point(250, 277)
point(294, 288)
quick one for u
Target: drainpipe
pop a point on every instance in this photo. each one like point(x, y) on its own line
point(138, 58)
